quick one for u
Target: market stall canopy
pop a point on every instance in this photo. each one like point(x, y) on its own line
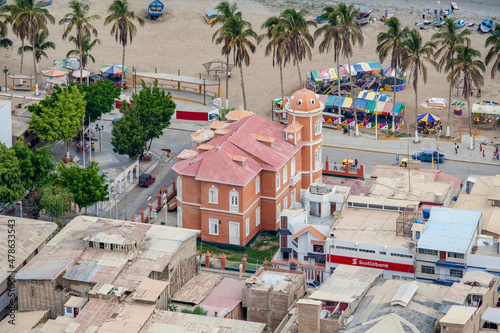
point(374, 96)
point(331, 74)
point(428, 118)
point(55, 72)
point(83, 73)
point(438, 103)
point(112, 69)
point(389, 72)
point(486, 109)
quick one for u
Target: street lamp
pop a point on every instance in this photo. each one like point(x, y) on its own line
point(99, 129)
point(5, 70)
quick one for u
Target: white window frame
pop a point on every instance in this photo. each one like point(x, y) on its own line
point(257, 185)
point(278, 181)
point(178, 185)
point(285, 203)
point(285, 174)
point(257, 216)
point(278, 213)
point(317, 127)
point(247, 227)
point(317, 158)
point(213, 227)
point(292, 171)
point(213, 195)
point(293, 197)
point(179, 217)
point(234, 205)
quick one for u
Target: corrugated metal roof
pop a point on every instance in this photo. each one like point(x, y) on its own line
point(491, 315)
point(450, 230)
point(404, 294)
point(196, 289)
point(47, 272)
point(82, 270)
point(224, 297)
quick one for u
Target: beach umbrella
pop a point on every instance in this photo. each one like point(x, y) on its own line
point(83, 73)
point(428, 118)
point(55, 72)
point(112, 69)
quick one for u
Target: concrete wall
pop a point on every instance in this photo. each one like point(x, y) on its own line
point(41, 295)
point(6, 123)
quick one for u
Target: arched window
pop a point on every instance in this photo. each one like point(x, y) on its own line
point(213, 195)
point(292, 171)
point(278, 181)
point(178, 185)
point(317, 127)
point(285, 174)
point(234, 201)
point(179, 217)
point(317, 158)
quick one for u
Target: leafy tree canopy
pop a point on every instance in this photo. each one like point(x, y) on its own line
point(148, 116)
point(11, 188)
point(32, 205)
point(60, 117)
point(56, 200)
point(86, 185)
point(35, 166)
point(99, 97)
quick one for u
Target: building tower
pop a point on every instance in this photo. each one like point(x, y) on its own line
point(305, 124)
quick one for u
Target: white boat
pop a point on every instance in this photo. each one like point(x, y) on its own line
point(364, 15)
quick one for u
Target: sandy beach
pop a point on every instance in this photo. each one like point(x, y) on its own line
point(182, 41)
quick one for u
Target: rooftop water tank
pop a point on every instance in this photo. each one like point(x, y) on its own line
point(427, 213)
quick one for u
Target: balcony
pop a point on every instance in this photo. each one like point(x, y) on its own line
point(285, 232)
point(295, 179)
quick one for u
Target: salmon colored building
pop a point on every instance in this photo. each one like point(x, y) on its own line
point(238, 183)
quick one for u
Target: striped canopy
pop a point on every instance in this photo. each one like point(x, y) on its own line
point(112, 69)
point(55, 72)
point(428, 118)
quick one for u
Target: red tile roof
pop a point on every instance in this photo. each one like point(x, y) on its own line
point(312, 230)
point(217, 166)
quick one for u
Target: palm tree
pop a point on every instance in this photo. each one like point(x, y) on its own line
point(351, 35)
point(225, 12)
point(4, 41)
point(332, 37)
point(415, 54)
point(40, 46)
point(494, 50)
point(13, 11)
point(296, 40)
point(123, 26)
point(273, 34)
point(467, 66)
point(390, 42)
point(86, 46)
point(79, 18)
point(32, 20)
point(236, 34)
point(448, 38)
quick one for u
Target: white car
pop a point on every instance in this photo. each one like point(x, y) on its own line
point(312, 283)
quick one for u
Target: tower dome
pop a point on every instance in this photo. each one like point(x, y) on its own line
point(304, 100)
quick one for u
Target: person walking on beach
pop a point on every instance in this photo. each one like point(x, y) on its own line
point(484, 155)
point(428, 13)
point(480, 147)
point(456, 148)
point(423, 14)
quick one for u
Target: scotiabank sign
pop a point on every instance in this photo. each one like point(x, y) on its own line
point(391, 266)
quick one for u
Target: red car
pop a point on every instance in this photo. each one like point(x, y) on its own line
point(146, 179)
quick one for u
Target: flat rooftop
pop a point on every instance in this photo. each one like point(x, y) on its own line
point(224, 297)
point(346, 284)
point(371, 226)
point(458, 315)
point(449, 229)
point(279, 279)
point(196, 289)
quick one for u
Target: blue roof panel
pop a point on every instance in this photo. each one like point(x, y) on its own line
point(450, 230)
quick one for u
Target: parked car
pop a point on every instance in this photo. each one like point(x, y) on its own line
point(146, 179)
point(428, 156)
point(313, 283)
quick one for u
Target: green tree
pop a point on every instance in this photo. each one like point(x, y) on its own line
point(332, 37)
point(31, 18)
point(225, 12)
point(87, 44)
point(60, 117)
point(35, 166)
point(351, 35)
point(86, 185)
point(295, 40)
point(236, 35)
point(11, 188)
point(40, 46)
point(4, 41)
point(198, 310)
point(32, 205)
point(99, 99)
point(79, 19)
point(149, 114)
point(467, 66)
point(390, 42)
point(123, 26)
point(56, 200)
point(494, 51)
point(448, 38)
point(415, 55)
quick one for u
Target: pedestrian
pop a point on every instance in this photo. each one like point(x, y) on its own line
point(386, 13)
point(498, 156)
point(472, 91)
point(428, 13)
point(484, 155)
point(478, 92)
point(423, 14)
point(355, 163)
point(334, 166)
point(480, 147)
point(435, 12)
point(93, 147)
point(456, 148)
point(86, 147)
